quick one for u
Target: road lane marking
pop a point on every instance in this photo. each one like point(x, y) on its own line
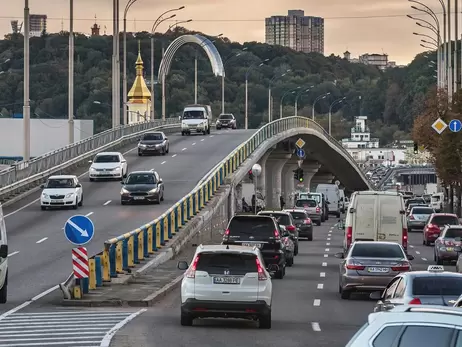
point(89, 214)
point(320, 285)
point(331, 228)
point(317, 302)
point(322, 274)
point(107, 202)
point(14, 253)
point(211, 136)
point(328, 239)
point(315, 326)
point(163, 162)
point(106, 342)
point(417, 252)
point(324, 264)
point(424, 259)
point(193, 144)
point(184, 149)
point(411, 246)
point(173, 156)
point(202, 140)
point(41, 240)
point(327, 243)
point(326, 255)
point(327, 250)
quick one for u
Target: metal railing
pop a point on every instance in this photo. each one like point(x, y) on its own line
point(121, 254)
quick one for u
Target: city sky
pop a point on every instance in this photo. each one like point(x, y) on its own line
point(359, 26)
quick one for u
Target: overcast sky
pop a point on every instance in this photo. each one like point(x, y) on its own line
point(361, 26)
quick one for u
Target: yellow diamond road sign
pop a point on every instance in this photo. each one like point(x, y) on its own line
point(300, 143)
point(439, 126)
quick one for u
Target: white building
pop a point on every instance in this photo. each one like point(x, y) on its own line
point(360, 136)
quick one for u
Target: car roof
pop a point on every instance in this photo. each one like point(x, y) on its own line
point(425, 273)
point(59, 177)
point(295, 210)
point(144, 172)
point(154, 132)
point(375, 192)
point(108, 153)
point(448, 226)
point(375, 243)
point(444, 214)
point(421, 206)
point(273, 212)
point(226, 249)
point(421, 313)
point(250, 216)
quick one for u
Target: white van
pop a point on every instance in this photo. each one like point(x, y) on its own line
point(332, 194)
point(196, 119)
point(436, 202)
point(375, 216)
point(3, 259)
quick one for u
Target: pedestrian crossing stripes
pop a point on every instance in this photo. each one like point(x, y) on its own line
point(62, 329)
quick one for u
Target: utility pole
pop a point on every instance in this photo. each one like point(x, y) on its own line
point(71, 73)
point(26, 107)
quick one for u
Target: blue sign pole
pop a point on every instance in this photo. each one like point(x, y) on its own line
point(79, 230)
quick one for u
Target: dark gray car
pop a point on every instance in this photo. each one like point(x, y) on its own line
point(142, 186)
point(153, 143)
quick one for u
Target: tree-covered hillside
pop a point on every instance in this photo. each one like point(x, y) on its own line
point(390, 99)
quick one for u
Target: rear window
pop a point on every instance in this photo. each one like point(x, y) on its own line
point(437, 285)
point(377, 250)
point(298, 215)
point(443, 220)
point(436, 198)
point(259, 228)
point(309, 203)
point(453, 234)
point(219, 263)
point(422, 211)
point(281, 218)
point(416, 201)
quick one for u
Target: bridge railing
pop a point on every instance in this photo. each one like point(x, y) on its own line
point(122, 253)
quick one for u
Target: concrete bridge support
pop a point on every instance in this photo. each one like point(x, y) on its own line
point(310, 168)
point(261, 180)
point(288, 182)
point(321, 179)
point(273, 169)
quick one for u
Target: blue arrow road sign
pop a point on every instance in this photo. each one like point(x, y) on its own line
point(300, 153)
point(79, 230)
point(455, 125)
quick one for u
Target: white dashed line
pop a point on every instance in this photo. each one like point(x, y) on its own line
point(163, 162)
point(328, 239)
point(324, 264)
point(211, 136)
point(411, 246)
point(327, 250)
point(202, 140)
point(315, 326)
point(417, 252)
point(326, 255)
point(322, 274)
point(173, 156)
point(184, 149)
point(11, 254)
point(193, 144)
point(320, 285)
point(89, 214)
point(424, 259)
point(327, 243)
point(331, 228)
point(107, 202)
point(317, 302)
point(41, 240)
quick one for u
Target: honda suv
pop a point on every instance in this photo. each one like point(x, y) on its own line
point(262, 232)
point(226, 282)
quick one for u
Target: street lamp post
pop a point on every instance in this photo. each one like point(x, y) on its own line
point(338, 101)
point(70, 96)
point(292, 91)
point(227, 60)
point(299, 94)
point(270, 98)
point(323, 96)
point(247, 72)
point(157, 22)
point(26, 107)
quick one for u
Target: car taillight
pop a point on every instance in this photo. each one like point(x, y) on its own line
point(318, 210)
point(403, 267)
point(191, 272)
point(351, 265)
point(276, 234)
point(349, 236)
point(290, 228)
point(261, 272)
point(227, 232)
point(307, 221)
point(405, 238)
point(415, 301)
point(411, 217)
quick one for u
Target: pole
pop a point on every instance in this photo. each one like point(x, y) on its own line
point(163, 97)
point(272, 107)
point(449, 61)
point(312, 111)
point(117, 64)
point(330, 121)
point(246, 119)
point(269, 105)
point(456, 35)
point(152, 77)
point(255, 189)
point(280, 110)
point(195, 77)
point(114, 64)
point(26, 107)
point(71, 73)
point(223, 93)
point(296, 106)
point(445, 49)
point(125, 113)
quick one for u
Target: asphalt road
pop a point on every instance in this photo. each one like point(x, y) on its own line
point(307, 309)
point(40, 256)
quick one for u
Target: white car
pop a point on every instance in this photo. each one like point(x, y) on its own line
point(108, 165)
point(62, 191)
point(226, 282)
point(3, 260)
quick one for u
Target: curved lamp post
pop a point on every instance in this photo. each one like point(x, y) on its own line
point(323, 96)
point(270, 98)
point(338, 101)
point(247, 72)
point(226, 61)
point(292, 91)
point(299, 94)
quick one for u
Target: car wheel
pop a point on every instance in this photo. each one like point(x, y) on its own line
point(140, 154)
point(4, 291)
point(310, 237)
point(265, 321)
point(162, 197)
point(122, 202)
point(427, 243)
point(92, 179)
point(76, 205)
point(204, 132)
point(279, 274)
point(186, 319)
point(43, 208)
point(345, 295)
point(318, 223)
point(439, 261)
point(290, 262)
point(164, 151)
point(168, 148)
point(182, 133)
point(81, 201)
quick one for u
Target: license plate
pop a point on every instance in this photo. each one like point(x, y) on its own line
point(251, 244)
point(226, 280)
point(449, 249)
point(138, 197)
point(378, 269)
point(55, 201)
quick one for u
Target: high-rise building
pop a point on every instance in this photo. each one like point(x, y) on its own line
point(297, 31)
point(38, 24)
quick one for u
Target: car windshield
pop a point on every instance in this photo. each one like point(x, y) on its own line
point(298, 215)
point(453, 233)
point(377, 250)
point(306, 203)
point(141, 179)
point(251, 228)
point(435, 198)
point(60, 183)
point(193, 115)
point(313, 197)
point(217, 263)
point(152, 137)
point(107, 158)
point(281, 218)
point(415, 201)
point(422, 210)
point(226, 116)
point(443, 220)
point(437, 285)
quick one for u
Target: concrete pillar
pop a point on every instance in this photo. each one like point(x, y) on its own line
point(310, 168)
point(231, 202)
point(288, 182)
point(261, 180)
point(274, 164)
point(238, 197)
point(321, 179)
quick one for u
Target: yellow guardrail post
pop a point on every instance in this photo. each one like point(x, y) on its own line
point(197, 206)
point(92, 276)
point(178, 208)
point(140, 250)
point(77, 290)
point(206, 193)
point(158, 237)
point(106, 266)
point(150, 239)
point(172, 223)
point(119, 258)
point(165, 228)
point(184, 214)
point(131, 251)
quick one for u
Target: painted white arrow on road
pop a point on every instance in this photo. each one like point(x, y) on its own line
point(82, 232)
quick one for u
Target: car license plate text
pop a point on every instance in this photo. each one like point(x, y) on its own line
point(378, 269)
point(226, 280)
point(138, 197)
point(55, 201)
point(251, 244)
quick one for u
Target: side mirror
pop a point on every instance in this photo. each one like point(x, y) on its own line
point(375, 295)
point(402, 212)
point(160, 180)
point(352, 210)
point(411, 257)
point(90, 161)
point(78, 185)
point(166, 139)
point(179, 117)
point(340, 255)
point(4, 251)
point(182, 265)
point(122, 182)
point(42, 186)
point(123, 161)
point(273, 268)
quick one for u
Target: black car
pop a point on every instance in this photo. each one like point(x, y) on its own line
point(226, 120)
point(285, 219)
point(262, 231)
point(303, 223)
point(153, 143)
point(142, 186)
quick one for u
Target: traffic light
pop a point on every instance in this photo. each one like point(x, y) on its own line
point(300, 174)
point(296, 174)
point(250, 175)
point(416, 148)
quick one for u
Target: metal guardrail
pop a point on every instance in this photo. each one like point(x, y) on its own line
point(395, 170)
point(122, 253)
point(87, 150)
point(25, 169)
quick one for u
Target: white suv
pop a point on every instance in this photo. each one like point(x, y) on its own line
point(61, 191)
point(226, 281)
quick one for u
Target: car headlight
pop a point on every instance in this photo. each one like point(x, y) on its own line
point(140, 145)
point(116, 169)
point(92, 169)
point(184, 125)
point(45, 195)
point(70, 195)
point(124, 191)
point(159, 145)
point(153, 191)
